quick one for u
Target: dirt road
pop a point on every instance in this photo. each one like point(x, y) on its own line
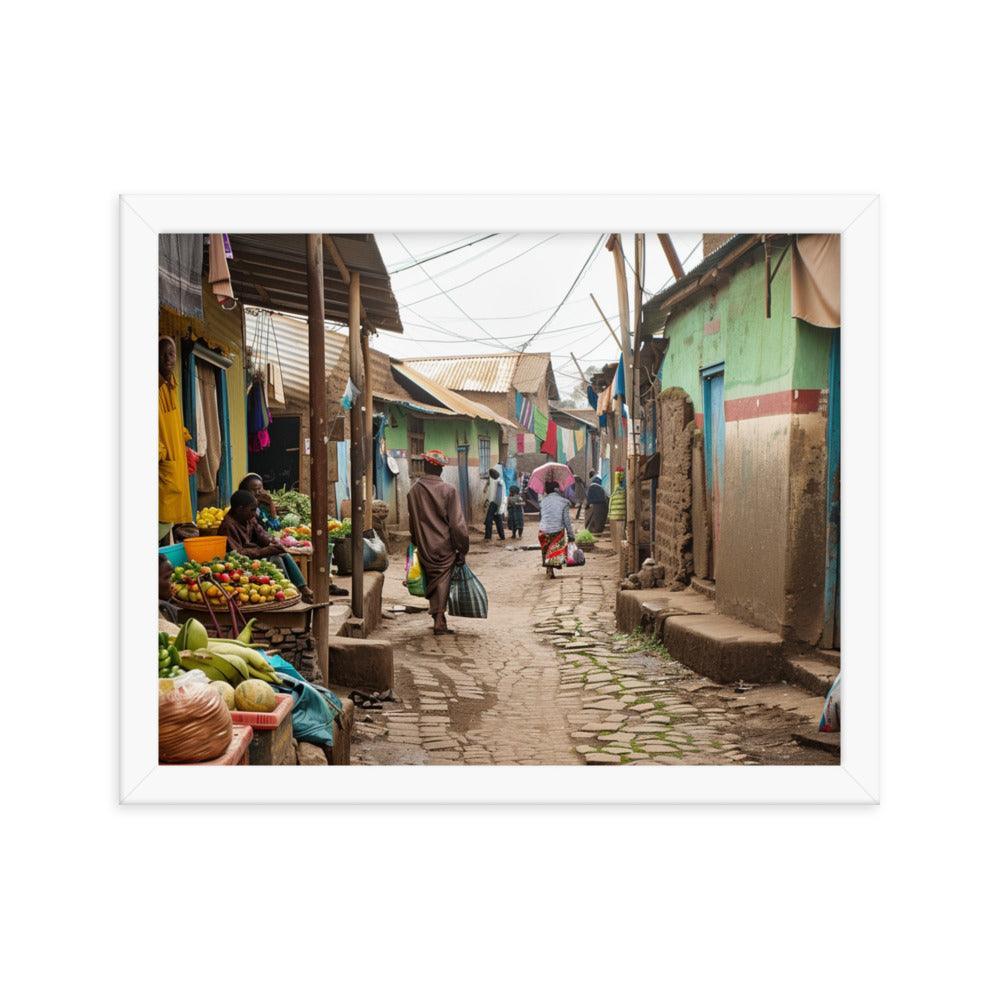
point(546, 680)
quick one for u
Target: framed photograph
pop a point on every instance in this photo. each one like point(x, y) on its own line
point(548, 499)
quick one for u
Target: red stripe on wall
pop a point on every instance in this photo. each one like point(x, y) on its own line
point(773, 404)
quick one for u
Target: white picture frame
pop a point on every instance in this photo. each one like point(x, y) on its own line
point(856, 217)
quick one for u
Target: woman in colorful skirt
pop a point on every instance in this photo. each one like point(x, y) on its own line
point(555, 529)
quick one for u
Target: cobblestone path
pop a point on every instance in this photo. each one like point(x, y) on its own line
point(545, 679)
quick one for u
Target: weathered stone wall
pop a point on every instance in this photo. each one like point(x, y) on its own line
point(675, 427)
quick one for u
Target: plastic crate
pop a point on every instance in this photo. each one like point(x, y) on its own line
point(205, 547)
point(266, 720)
point(237, 754)
point(175, 554)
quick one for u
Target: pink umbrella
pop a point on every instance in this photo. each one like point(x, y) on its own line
point(562, 474)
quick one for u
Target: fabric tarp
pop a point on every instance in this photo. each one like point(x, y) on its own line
point(816, 279)
point(181, 256)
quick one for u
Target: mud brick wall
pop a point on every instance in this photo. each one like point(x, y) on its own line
point(675, 428)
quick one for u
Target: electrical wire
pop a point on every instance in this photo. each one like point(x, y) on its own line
point(444, 246)
point(476, 277)
point(462, 263)
point(448, 297)
point(444, 253)
point(583, 270)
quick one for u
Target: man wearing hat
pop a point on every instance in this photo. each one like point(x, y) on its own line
point(438, 530)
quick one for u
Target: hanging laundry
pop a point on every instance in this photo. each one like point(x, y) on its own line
point(258, 417)
point(525, 412)
point(218, 271)
point(540, 425)
point(549, 445)
point(568, 442)
point(580, 439)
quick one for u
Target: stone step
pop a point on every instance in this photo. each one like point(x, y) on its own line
point(723, 648)
point(706, 587)
point(364, 664)
point(811, 673)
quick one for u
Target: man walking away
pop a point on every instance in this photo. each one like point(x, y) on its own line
point(495, 495)
point(438, 530)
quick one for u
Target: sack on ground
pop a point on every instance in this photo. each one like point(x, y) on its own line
point(829, 721)
point(575, 555)
point(467, 597)
point(415, 582)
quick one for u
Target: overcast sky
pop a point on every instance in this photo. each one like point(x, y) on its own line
point(503, 289)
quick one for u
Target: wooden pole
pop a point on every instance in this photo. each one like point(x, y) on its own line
point(366, 430)
point(606, 323)
point(635, 500)
point(671, 254)
point(615, 245)
point(319, 566)
point(357, 447)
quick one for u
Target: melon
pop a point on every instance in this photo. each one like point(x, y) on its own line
point(255, 696)
point(226, 690)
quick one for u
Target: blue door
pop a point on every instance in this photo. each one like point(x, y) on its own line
point(831, 590)
point(712, 380)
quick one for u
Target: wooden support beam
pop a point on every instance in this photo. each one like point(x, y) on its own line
point(634, 500)
point(615, 245)
point(357, 373)
point(319, 568)
point(606, 323)
point(366, 429)
point(671, 254)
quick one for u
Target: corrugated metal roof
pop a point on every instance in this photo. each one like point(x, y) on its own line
point(269, 270)
point(453, 400)
point(587, 416)
point(490, 372)
point(292, 336)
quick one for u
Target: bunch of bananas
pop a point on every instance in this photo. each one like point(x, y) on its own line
point(230, 660)
point(209, 518)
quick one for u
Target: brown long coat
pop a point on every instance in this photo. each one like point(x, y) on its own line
point(438, 530)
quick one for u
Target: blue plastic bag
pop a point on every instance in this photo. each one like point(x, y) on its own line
point(315, 708)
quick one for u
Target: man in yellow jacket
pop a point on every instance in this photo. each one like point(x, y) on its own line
point(175, 494)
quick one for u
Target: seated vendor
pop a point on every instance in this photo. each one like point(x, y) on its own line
point(267, 513)
point(247, 536)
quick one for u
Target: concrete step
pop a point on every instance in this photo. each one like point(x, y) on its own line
point(723, 648)
point(811, 673)
point(706, 587)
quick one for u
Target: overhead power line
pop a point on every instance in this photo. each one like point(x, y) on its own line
point(448, 297)
point(444, 253)
point(576, 281)
point(476, 277)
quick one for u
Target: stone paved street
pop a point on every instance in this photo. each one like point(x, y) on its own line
point(547, 680)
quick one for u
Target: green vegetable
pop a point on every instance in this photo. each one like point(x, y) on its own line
point(291, 502)
point(344, 531)
point(584, 537)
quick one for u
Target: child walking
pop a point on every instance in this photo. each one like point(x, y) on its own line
point(515, 512)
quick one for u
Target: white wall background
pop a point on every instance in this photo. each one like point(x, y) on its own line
point(822, 902)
